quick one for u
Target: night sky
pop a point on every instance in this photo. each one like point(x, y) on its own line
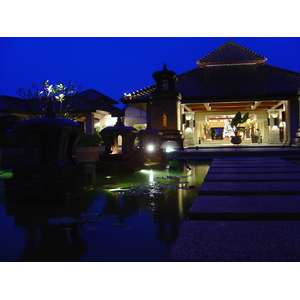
point(118, 65)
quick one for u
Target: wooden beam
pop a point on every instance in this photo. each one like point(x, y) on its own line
point(233, 106)
point(186, 107)
point(256, 104)
point(208, 108)
point(278, 104)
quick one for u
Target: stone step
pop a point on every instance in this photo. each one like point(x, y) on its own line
point(249, 188)
point(252, 161)
point(219, 207)
point(237, 241)
point(226, 170)
point(249, 159)
point(253, 165)
point(212, 177)
point(247, 210)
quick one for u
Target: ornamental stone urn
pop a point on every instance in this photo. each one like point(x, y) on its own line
point(53, 135)
point(46, 176)
point(149, 147)
point(149, 137)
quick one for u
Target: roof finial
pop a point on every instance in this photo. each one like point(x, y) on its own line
point(162, 76)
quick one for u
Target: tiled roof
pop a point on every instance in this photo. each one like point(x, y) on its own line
point(95, 95)
point(8, 104)
point(90, 105)
point(231, 53)
point(81, 104)
point(237, 80)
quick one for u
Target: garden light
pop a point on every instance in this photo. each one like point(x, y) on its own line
point(150, 148)
point(169, 149)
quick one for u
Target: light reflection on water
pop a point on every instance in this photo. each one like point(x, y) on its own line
point(110, 226)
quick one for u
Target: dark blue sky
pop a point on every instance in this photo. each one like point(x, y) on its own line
point(115, 66)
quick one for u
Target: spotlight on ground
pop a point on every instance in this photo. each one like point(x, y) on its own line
point(150, 148)
point(169, 149)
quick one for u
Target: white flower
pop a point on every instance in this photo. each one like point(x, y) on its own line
point(60, 97)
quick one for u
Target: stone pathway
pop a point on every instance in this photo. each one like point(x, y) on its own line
point(247, 210)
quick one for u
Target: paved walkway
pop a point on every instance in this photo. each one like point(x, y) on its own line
point(225, 143)
point(219, 150)
point(247, 209)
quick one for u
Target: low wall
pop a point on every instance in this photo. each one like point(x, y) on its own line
point(89, 154)
point(10, 158)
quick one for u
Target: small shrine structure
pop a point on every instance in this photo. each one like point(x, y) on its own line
point(164, 109)
point(115, 160)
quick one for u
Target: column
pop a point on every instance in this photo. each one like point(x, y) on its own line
point(274, 132)
point(189, 128)
point(89, 123)
point(294, 120)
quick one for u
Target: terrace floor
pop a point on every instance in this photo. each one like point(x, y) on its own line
point(219, 148)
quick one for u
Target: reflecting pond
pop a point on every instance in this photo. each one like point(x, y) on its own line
point(126, 217)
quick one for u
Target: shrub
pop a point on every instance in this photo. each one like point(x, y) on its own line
point(90, 140)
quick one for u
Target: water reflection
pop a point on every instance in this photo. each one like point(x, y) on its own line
point(109, 225)
point(45, 242)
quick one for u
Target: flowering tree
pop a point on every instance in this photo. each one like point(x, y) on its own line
point(63, 99)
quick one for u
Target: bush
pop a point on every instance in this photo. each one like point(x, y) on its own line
point(90, 140)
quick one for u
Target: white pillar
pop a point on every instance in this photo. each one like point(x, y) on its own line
point(274, 136)
point(189, 128)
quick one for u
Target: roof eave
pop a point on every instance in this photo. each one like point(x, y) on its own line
point(200, 64)
point(225, 98)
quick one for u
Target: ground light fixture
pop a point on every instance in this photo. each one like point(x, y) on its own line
point(150, 148)
point(169, 149)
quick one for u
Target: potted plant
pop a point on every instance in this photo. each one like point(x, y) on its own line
point(237, 121)
point(213, 133)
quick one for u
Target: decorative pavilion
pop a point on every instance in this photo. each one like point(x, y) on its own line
point(229, 79)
